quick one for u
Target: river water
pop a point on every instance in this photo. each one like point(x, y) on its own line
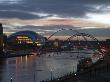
point(35, 69)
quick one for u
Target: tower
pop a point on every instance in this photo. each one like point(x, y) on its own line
point(1, 39)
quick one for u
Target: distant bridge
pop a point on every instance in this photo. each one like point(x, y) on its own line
point(77, 41)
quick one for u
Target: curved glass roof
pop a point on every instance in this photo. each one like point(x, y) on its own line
point(33, 35)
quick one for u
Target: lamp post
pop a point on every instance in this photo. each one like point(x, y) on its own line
point(51, 73)
point(11, 79)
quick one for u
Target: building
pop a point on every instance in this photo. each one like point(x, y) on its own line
point(4, 41)
point(25, 39)
point(108, 42)
point(1, 38)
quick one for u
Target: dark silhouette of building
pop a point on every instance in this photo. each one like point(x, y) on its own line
point(108, 42)
point(25, 39)
point(1, 39)
point(4, 41)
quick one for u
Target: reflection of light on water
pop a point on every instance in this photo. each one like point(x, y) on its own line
point(56, 65)
point(26, 58)
point(60, 63)
point(21, 58)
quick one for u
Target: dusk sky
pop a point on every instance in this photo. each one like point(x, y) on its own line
point(44, 16)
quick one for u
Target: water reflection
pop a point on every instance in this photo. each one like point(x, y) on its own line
point(35, 69)
point(2, 65)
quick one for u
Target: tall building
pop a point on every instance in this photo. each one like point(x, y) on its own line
point(1, 38)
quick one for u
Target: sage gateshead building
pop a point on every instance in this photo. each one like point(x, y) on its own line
point(24, 38)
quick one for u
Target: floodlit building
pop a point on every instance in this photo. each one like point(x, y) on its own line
point(26, 38)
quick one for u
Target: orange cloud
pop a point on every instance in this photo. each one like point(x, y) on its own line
point(55, 21)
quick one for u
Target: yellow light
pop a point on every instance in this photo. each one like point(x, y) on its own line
point(39, 44)
point(18, 37)
point(22, 37)
point(30, 42)
point(36, 42)
point(25, 37)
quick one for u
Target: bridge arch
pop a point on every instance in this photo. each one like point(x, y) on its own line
point(96, 45)
point(77, 33)
point(84, 36)
point(60, 31)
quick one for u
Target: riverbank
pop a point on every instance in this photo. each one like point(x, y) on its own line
point(9, 55)
point(97, 72)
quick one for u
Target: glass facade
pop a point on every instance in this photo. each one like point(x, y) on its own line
point(26, 37)
point(23, 39)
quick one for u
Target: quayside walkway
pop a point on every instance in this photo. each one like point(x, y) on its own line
point(97, 72)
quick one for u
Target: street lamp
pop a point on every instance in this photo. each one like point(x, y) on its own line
point(11, 79)
point(51, 73)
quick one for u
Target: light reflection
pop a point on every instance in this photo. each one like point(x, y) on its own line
point(21, 58)
point(24, 67)
point(26, 59)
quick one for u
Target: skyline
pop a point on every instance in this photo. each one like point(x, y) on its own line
point(45, 16)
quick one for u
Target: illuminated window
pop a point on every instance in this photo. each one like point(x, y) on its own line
point(23, 39)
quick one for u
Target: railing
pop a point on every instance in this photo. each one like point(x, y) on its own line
point(70, 77)
point(96, 71)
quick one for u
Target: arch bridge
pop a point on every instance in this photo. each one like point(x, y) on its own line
point(77, 41)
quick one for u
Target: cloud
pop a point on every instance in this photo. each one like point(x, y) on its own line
point(10, 1)
point(50, 25)
point(27, 14)
point(72, 8)
point(32, 9)
point(52, 21)
point(102, 18)
point(21, 14)
point(102, 32)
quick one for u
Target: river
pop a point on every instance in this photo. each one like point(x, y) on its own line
point(32, 68)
